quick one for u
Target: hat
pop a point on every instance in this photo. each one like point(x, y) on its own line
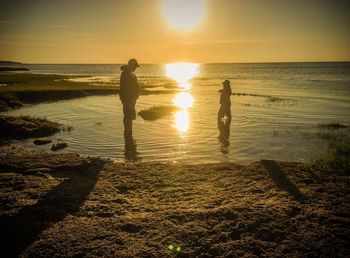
point(134, 62)
point(226, 82)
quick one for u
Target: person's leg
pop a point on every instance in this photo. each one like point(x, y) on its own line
point(221, 114)
point(228, 114)
point(126, 121)
point(128, 129)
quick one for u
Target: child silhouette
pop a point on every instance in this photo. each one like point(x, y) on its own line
point(225, 101)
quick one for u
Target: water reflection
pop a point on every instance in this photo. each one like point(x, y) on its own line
point(131, 153)
point(224, 135)
point(182, 73)
point(182, 121)
point(183, 100)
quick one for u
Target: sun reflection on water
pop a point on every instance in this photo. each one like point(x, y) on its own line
point(182, 121)
point(182, 73)
point(183, 100)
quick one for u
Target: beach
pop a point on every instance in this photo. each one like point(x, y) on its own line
point(61, 205)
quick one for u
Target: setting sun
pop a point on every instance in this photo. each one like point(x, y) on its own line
point(183, 14)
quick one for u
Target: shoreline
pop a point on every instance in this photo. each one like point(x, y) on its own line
point(17, 89)
point(31, 97)
point(64, 204)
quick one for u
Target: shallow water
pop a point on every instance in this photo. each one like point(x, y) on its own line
point(284, 127)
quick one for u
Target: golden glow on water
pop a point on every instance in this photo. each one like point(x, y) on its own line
point(183, 14)
point(182, 73)
point(183, 100)
point(182, 121)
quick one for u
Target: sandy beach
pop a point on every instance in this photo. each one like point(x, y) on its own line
point(59, 205)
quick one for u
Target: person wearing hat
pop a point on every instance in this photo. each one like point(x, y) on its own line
point(225, 102)
point(128, 94)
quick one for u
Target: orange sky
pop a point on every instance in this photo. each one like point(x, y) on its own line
point(112, 31)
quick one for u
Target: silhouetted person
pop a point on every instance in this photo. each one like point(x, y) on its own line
point(225, 101)
point(224, 135)
point(129, 93)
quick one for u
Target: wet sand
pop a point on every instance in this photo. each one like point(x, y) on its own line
point(59, 205)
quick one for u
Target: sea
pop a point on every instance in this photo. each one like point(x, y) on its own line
point(280, 111)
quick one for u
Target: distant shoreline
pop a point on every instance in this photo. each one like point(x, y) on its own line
point(10, 63)
point(272, 62)
point(13, 69)
point(17, 89)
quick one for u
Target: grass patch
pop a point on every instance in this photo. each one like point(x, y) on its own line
point(28, 127)
point(269, 99)
point(37, 88)
point(337, 157)
point(9, 101)
point(157, 112)
point(274, 99)
point(334, 126)
point(43, 82)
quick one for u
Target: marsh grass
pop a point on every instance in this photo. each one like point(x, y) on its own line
point(19, 88)
point(331, 131)
point(334, 126)
point(42, 82)
point(337, 157)
point(157, 112)
point(270, 99)
point(9, 101)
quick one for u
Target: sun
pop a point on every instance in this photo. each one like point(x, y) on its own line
point(183, 14)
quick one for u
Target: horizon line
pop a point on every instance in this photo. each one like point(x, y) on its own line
point(147, 63)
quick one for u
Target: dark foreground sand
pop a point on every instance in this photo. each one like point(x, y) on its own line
point(74, 206)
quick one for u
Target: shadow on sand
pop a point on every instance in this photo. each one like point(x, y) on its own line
point(281, 180)
point(21, 229)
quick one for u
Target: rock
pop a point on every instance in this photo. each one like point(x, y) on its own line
point(59, 146)
point(27, 127)
point(44, 175)
point(33, 171)
point(42, 141)
point(40, 172)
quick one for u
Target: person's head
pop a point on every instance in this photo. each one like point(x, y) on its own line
point(226, 84)
point(133, 64)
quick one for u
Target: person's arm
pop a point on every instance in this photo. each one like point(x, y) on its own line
point(137, 88)
point(122, 84)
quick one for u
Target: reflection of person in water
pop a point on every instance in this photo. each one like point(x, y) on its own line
point(131, 153)
point(224, 130)
point(225, 101)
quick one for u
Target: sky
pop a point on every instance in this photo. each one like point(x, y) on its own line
point(112, 31)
